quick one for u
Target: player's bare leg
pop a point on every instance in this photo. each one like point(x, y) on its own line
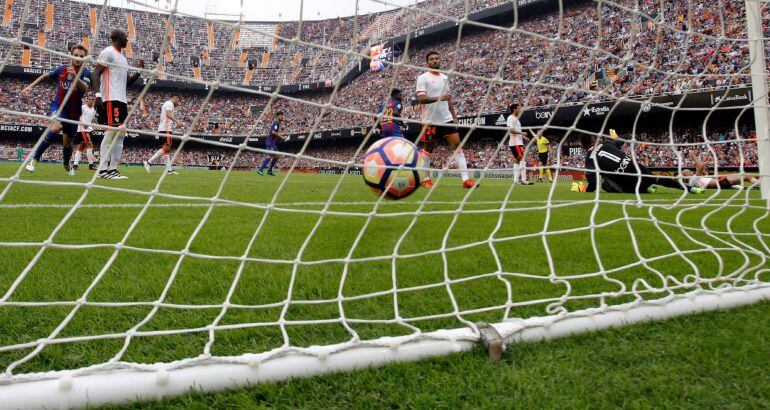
point(427, 148)
point(78, 156)
point(88, 148)
point(459, 156)
point(90, 155)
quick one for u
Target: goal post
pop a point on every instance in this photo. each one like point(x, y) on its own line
point(758, 67)
point(123, 383)
point(347, 279)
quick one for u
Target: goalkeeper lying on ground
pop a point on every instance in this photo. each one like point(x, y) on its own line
point(617, 171)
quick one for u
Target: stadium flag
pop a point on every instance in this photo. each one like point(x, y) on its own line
point(26, 54)
point(49, 16)
point(129, 51)
point(378, 54)
point(276, 33)
point(8, 13)
point(161, 71)
point(130, 24)
point(169, 30)
point(41, 39)
point(210, 31)
point(142, 106)
point(265, 59)
point(205, 55)
point(197, 69)
point(236, 37)
point(242, 60)
point(297, 59)
point(168, 55)
point(86, 41)
point(92, 15)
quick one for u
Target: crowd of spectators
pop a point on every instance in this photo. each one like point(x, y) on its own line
point(548, 58)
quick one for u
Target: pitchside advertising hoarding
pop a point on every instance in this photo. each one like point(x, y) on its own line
point(736, 98)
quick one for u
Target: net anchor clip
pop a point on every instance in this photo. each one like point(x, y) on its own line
point(492, 341)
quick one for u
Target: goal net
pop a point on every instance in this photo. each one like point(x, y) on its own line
point(118, 290)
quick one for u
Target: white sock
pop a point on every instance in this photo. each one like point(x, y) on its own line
point(516, 172)
point(462, 164)
point(78, 156)
point(167, 161)
point(104, 161)
point(90, 155)
point(523, 171)
point(117, 151)
point(155, 156)
point(426, 155)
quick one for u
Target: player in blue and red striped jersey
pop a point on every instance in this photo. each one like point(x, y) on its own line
point(271, 144)
point(71, 108)
point(390, 127)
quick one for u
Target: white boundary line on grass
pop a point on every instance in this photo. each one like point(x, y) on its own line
point(354, 203)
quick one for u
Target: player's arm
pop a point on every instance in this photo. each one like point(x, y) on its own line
point(135, 76)
point(170, 115)
point(698, 163)
point(40, 79)
point(96, 82)
point(82, 82)
point(452, 111)
point(424, 99)
point(278, 135)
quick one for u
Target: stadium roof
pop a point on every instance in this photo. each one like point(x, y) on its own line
point(261, 10)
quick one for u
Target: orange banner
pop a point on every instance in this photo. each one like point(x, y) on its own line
point(49, 16)
point(92, 14)
point(210, 30)
point(26, 57)
point(242, 60)
point(8, 13)
point(131, 28)
point(247, 77)
point(41, 39)
point(265, 59)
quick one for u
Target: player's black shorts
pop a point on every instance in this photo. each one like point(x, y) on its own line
point(542, 157)
point(435, 132)
point(517, 151)
point(112, 113)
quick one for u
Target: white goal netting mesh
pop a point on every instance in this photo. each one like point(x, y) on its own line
point(158, 273)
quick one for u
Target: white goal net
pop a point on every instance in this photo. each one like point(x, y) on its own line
point(113, 291)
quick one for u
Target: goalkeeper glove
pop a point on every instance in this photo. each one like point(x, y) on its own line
point(579, 186)
point(613, 134)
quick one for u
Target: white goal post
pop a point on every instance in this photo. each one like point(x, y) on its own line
point(116, 380)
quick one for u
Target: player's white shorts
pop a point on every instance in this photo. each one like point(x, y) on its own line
point(700, 182)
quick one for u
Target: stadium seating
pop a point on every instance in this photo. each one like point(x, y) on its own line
point(540, 72)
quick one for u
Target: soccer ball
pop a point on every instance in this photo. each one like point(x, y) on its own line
point(381, 167)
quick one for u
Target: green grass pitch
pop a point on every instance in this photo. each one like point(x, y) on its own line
point(716, 359)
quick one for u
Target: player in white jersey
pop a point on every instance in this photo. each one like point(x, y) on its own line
point(111, 78)
point(438, 117)
point(166, 126)
point(516, 145)
point(84, 131)
point(701, 181)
